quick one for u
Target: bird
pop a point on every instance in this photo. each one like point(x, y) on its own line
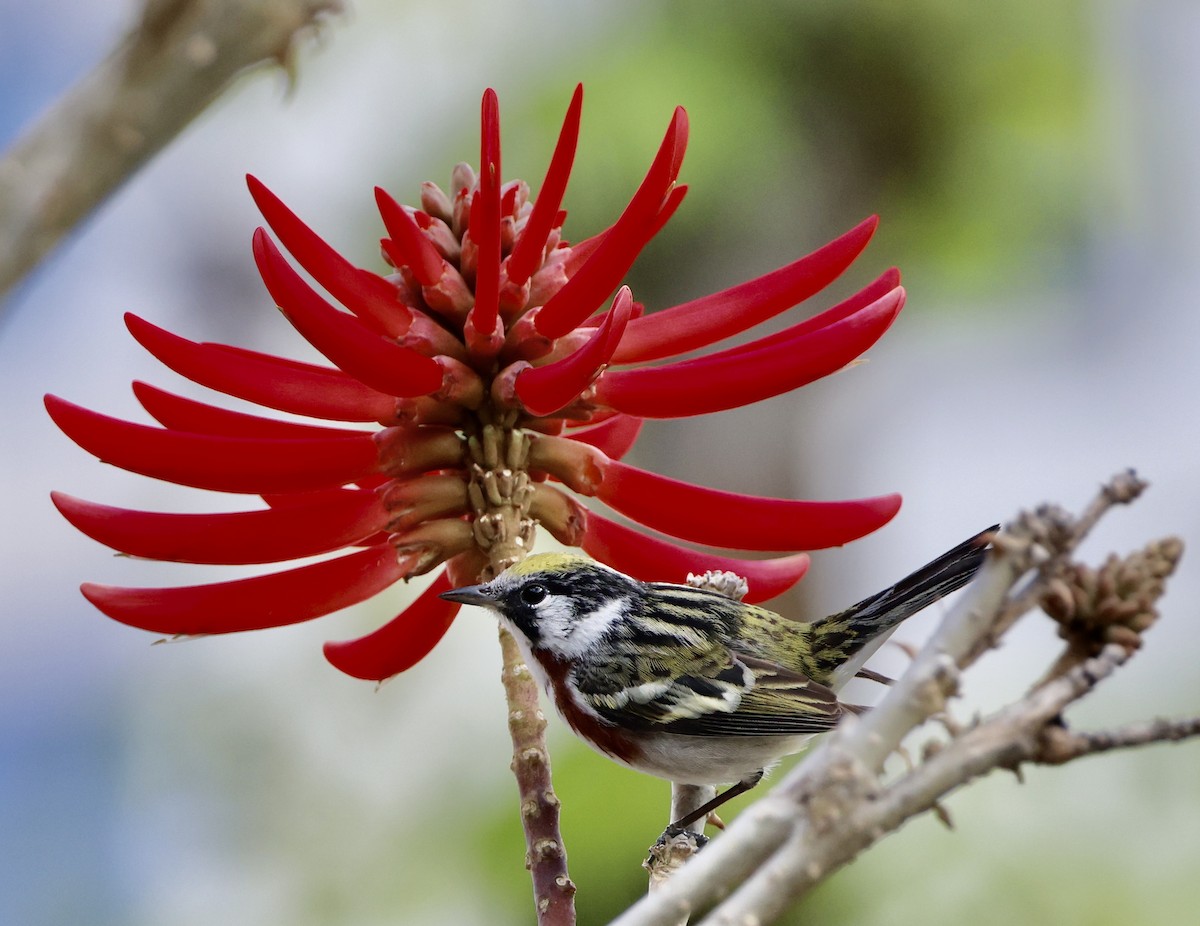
point(686, 683)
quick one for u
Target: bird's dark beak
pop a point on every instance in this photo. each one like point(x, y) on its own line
point(470, 594)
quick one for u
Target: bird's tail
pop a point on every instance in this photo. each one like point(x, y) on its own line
point(840, 641)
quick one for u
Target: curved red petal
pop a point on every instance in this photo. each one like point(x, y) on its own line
point(528, 252)
point(730, 519)
point(319, 523)
point(546, 389)
point(485, 219)
point(366, 355)
point(286, 385)
point(653, 559)
point(223, 464)
point(885, 284)
point(272, 600)
point(702, 321)
point(409, 243)
point(180, 414)
point(400, 643)
point(616, 252)
point(742, 375)
point(614, 436)
point(366, 294)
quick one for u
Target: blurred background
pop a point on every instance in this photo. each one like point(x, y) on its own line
point(1035, 169)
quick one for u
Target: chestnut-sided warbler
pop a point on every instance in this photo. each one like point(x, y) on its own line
point(687, 683)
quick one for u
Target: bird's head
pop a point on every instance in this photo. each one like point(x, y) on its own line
point(559, 602)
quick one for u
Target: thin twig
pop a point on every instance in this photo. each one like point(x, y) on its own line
point(1059, 744)
point(177, 58)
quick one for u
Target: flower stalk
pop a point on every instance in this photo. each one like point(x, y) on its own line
point(500, 494)
point(545, 853)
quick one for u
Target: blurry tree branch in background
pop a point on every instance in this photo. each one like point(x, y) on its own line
point(179, 56)
point(838, 802)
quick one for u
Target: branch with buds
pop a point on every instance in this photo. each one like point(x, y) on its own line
point(838, 801)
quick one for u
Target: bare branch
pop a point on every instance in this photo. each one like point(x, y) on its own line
point(178, 58)
point(1059, 745)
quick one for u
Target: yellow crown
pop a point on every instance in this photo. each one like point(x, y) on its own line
point(548, 562)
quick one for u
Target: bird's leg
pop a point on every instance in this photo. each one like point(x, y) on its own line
point(705, 809)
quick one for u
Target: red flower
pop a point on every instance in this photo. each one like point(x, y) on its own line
point(496, 382)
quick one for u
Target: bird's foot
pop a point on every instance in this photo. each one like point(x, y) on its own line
point(674, 847)
point(674, 831)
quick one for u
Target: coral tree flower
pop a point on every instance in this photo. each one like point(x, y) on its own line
point(499, 394)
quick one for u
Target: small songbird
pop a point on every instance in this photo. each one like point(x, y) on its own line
point(687, 683)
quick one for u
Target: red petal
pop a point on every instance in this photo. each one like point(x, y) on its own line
point(299, 388)
point(364, 354)
point(316, 525)
point(702, 321)
point(224, 464)
point(410, 244)
point(528, 252)
point(400, 643)
point(180, 414)
point(546, 389)
point(653, 559)
point(581, 251)
point(744, 522)
point(366, 294)
point(614, 255)
point(743, 375)
point(273, 600)
point(881, 287)
point(485, 219)
point(614, 436)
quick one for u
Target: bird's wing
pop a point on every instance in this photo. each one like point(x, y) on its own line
point(716, 693)
point(663, 688)
point(779, 702)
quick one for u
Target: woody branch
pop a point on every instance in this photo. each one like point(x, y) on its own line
point(177, 58)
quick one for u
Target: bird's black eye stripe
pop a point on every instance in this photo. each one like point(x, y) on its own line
point(534, 594)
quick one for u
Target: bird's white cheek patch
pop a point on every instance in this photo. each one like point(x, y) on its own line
point(573, 635)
